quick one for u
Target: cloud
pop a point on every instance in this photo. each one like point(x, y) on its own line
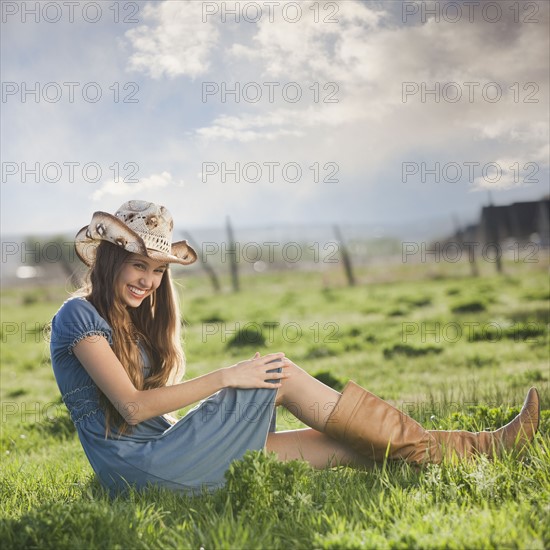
point(525, 168)
point(274, 124)
point(175, 42)
point(153, 182)
point(500, 175)
point(528, 154)
point(311, 48)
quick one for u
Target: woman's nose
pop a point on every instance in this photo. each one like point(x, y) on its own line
point(146, 279)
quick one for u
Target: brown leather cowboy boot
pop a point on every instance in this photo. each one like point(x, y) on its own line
point(378, 430)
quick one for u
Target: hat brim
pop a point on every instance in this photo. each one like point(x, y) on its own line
point(182, 253)
point(106, 227)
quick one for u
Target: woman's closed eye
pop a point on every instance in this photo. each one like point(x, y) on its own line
point(159, 270)
point(141, 266)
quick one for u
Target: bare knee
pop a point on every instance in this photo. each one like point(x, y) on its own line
point(295, 373)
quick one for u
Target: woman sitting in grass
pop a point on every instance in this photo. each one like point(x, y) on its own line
point(117, 358)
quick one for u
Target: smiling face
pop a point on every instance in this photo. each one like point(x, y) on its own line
point(140, 277)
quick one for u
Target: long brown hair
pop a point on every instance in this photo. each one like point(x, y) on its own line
point(154, 325)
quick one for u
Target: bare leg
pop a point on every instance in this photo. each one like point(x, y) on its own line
point(306, 398)
point(312, 402)
point(320, 450)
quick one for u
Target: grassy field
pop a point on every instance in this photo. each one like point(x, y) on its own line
point(452, 351)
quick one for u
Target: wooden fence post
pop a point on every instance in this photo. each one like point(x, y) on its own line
point(345, 257)
point(233, 254)
point(460, 238)
point(205, 265)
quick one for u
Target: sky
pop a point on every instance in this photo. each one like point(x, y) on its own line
point(347, 112)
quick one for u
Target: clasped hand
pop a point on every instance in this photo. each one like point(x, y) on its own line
point(253, 373)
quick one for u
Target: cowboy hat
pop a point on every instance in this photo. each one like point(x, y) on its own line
point(138, 226)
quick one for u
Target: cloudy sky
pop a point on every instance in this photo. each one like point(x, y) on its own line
point(353, 112)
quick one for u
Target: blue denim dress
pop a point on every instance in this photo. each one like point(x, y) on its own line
point(189, 456)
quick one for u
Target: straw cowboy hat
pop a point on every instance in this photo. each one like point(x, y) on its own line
point(138, 226)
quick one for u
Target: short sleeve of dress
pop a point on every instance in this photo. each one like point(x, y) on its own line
point(77, 319)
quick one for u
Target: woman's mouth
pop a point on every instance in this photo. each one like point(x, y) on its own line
point(137, 292)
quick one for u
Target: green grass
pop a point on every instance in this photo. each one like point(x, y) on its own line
point(454, 352)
